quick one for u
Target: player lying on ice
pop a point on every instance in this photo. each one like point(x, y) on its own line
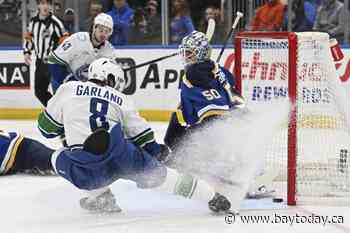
point(22, 154)
point(93, 172)
point(80, 108)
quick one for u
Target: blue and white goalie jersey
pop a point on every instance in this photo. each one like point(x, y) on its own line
point(202, 95)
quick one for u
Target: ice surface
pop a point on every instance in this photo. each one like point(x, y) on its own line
point(30, 204)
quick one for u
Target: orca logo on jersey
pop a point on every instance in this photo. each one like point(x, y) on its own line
point(130, 77)
point(14, 76)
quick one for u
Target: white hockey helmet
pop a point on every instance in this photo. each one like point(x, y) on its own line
point(104, 20)
point(108, 72)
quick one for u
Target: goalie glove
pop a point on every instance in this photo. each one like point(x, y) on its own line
point(237, 101)
point(163, 155)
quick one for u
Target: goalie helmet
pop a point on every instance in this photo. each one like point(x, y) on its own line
point(195, 48)
point(107, 72)
point(104, 20)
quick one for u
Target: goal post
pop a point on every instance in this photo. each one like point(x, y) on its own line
point(311, 150)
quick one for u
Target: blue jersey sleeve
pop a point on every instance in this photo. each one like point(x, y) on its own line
point(229, 77)
point(9, 144)
point(58, 73)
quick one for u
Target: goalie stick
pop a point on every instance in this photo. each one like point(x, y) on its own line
point(209, 34)
point(149, 62)
point(239, 15)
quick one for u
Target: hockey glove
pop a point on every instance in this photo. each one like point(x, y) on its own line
point(166, 157)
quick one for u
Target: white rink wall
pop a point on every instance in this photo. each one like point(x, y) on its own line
point(153, 87)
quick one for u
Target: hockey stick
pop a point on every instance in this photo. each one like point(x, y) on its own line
point(150, 62)
point(239, 15)
point(210, 29)
point(209, 34)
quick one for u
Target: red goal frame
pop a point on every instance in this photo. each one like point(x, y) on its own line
point(292, 94)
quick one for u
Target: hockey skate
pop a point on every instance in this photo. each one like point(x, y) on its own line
point(103, 203)
point(219, 204)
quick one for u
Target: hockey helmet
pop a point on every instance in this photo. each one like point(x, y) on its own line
point(195, 48)
point(107, 72)
point(104, 20)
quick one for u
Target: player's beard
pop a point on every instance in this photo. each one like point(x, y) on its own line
point(95, 40)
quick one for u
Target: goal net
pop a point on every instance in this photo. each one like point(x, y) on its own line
point(310, 153)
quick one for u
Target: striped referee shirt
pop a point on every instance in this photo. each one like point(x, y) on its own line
point(43, 35)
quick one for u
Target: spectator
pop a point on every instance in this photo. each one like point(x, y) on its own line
point(303, 16)
point(330, 18)
point(9, 10)
point(107, 5)
point(138, 27)
point(212, 12)
point(268, 17)
point(68, 20)
point(122, 15)
point(58, 10)
point(95, 8)
point(316, 3)
point(83, 9)
point(154, 22)
point(181, 24)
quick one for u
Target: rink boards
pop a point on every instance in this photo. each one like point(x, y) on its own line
point(154, 88)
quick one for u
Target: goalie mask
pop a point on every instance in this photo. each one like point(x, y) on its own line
point(106, 72)
point(195, 48)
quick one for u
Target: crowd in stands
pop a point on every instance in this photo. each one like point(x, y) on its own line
point(307, 15)
point(142, 24)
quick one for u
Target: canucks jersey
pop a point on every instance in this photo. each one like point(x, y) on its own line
point(9, 144)
point(77, 52)
point(202, 95)
point(79, 108)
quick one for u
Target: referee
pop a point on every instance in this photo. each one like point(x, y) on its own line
point(45, 32)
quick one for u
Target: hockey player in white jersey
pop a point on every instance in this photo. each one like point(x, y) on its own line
point(79, 108)
point(73, 57)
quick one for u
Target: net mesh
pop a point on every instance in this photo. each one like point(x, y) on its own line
point(322, 136)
